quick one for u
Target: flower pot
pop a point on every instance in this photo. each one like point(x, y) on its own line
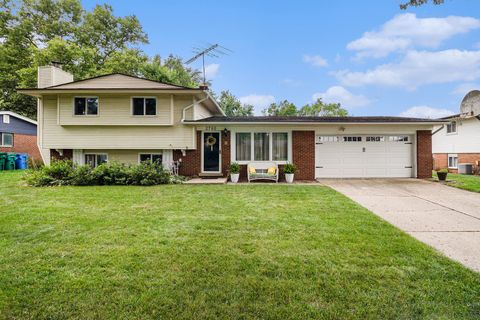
point(289, 177)
point(442, 176)
point(234, 177)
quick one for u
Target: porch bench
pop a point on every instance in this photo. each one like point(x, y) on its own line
point(261, 171)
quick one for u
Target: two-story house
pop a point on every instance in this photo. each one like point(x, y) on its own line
point(458, 141)
point(129, 119)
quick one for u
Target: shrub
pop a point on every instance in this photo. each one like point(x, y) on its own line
point(83, 176)
point(442, 170)
point(148, 174)
point(57, 174)
point(111, 173)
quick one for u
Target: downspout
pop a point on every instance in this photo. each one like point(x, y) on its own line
point(439, 129)
point(190, 106)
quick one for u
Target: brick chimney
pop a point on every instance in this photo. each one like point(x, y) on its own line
point(52, 75)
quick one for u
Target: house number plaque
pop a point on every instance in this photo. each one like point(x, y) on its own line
point(210, 128)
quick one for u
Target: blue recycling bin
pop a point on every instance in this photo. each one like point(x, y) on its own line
point(21, 161)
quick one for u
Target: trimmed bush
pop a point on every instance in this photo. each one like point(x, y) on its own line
point(112, 173)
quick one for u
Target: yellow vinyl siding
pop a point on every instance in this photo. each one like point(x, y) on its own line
point(114, 109)
point(113, 136)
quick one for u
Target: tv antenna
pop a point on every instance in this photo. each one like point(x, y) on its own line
point(213, 51)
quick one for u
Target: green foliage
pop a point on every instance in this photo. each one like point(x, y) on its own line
point(289, 168)
point(234, 167)
point(148, 174)
point(112, 173)
point(171, 70)
point(89, 43)
point(442, 170)
point(316, 109)
point(284, 108)
point(319, 108)
point(416, 3)
point(232, 106)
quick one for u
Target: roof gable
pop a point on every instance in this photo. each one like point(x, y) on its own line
point(116, 81)
point(20, 117)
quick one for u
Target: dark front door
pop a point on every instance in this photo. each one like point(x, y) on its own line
point(211, 152)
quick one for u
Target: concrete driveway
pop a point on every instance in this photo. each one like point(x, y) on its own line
point(446, 218)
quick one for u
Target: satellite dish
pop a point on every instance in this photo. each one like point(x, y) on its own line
point(470, 106)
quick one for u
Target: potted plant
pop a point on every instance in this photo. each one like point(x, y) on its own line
point(442, 174)
point(234, 172)
point(289, 170)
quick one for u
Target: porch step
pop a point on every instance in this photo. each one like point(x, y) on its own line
point(221, 180)
point(210, 175)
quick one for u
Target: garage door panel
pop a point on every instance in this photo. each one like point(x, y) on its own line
point(381, 156)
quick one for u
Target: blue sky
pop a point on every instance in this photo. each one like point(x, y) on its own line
point(369, 55)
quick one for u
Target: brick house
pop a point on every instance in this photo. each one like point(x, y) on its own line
point(129, 119)
point(18, 134)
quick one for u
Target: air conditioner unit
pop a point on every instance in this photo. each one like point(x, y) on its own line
point(465, 168)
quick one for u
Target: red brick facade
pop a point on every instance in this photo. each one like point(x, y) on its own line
point(191, 163)
point(23, 143)
point(303, 153)
point(440, 160)
point(424, 154)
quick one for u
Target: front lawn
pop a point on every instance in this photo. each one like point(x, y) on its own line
point(462, 181)
point(227, 251)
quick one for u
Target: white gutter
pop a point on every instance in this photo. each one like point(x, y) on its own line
point(308, 123)
point(191, 106)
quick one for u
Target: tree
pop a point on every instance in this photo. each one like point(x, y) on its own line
point(416, 3)
point(284, 108)
point(319, 108)
point(232, 106)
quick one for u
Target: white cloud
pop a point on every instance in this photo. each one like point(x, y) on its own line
point(465, 88)
point(419, 68)
point(259, 102)
point(211, 70)
point(316, 61)
point(338, 94)
point(406, 31)
point(426, 112)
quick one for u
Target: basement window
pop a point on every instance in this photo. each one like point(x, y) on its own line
point(95, 159)
point(6, 139)
point(150, 157)
point(453, 161)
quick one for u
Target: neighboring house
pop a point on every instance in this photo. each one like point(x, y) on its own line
point(18, 134)
point(129, 119)
point(458, 141)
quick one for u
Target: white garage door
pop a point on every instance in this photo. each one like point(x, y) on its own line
point(363, 156)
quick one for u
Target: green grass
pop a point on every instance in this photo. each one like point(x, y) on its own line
point(462, 181)
point(228, 252)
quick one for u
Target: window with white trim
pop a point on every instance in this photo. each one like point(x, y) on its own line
point(150, 157)
point(95, 159)
point(452, 127)
point(261, 146)
point(6, 139)
point(143, 106)
point(85, 106)
point(453, 161)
